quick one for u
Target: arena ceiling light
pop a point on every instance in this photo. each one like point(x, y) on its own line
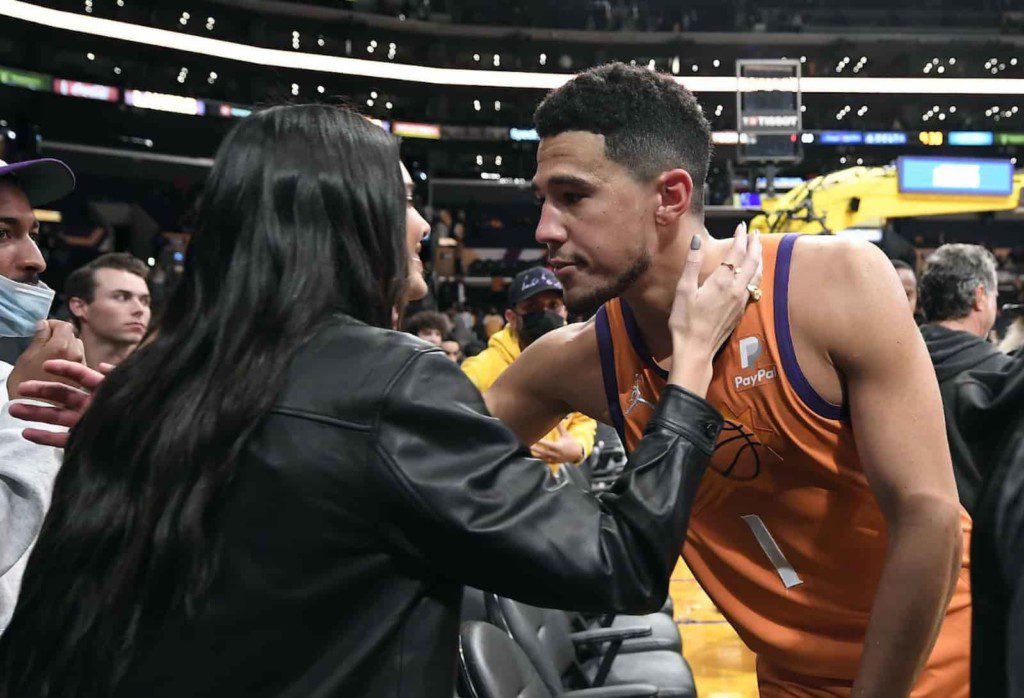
point(278, 58)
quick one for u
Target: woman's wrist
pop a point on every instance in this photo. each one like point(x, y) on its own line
point(691, 368)
point(696, 379)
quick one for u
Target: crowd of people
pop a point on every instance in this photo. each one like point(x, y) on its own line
point(271, 490)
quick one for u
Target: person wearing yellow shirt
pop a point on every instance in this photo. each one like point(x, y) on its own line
point(536, 307)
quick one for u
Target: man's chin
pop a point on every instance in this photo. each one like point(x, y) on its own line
point(586, 303)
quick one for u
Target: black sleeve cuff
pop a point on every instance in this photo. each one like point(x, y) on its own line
point(681, 411)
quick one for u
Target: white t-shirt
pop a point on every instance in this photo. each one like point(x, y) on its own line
point(27, 471)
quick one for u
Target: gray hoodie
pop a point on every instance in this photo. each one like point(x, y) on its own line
point(27, 471)
point(954, 353)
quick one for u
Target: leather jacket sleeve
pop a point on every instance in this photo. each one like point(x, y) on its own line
point(471, 503)
point(1009, 540)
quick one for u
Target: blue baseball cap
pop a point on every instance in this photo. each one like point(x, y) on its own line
point(43, 181)
point(529, 283)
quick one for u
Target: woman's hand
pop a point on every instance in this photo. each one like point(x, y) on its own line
point(70, 401)
point(704, 316)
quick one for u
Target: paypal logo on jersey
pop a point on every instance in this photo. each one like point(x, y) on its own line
point(750, 351)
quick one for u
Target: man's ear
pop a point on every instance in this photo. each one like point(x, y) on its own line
point(78, 307)
point(675, 189)
point(510, 317)
point(980, 297)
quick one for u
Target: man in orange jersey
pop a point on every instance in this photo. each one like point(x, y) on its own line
point(827, 528)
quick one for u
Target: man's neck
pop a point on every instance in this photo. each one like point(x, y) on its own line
point(968, 324)
point(102, 351)
point(651, 297)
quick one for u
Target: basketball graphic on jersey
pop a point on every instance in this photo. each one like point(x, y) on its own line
point(744, 449)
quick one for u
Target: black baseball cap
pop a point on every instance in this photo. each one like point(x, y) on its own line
point(529, 283)
point(43, 181)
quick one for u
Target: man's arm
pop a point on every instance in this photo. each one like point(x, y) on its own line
point(464, 497)
point(26, 475)
point(897, 418)
point(558, 374)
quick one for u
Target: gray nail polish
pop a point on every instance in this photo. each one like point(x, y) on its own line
point(695, 242)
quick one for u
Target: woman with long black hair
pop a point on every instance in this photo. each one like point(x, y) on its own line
point(277, 495)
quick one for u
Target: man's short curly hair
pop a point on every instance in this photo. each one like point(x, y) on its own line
point(650, 122)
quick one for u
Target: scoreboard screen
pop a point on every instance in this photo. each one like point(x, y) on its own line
point(938, 175)
point(769, 118)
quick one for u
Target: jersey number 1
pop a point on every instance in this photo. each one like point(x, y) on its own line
point(772, 550)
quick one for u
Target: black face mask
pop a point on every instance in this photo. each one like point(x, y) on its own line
point(538, 324)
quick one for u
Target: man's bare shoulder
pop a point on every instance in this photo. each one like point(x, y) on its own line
point(841, 289)
point(561, 370)
point(574, 342)
point(842, 270)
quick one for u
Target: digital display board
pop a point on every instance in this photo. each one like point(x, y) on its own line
point(408, 129)
point(885, 138)
point(86, 90)
point(1010, 138)
point(25, 79)
point(164, 102)
point(523, 134)
point(937, 175)
point(841, 137)
point(768, 115)
point(970, 138)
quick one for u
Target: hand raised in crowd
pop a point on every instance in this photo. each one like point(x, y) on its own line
point(564, 449)
point(54, 339)
point(69, 398)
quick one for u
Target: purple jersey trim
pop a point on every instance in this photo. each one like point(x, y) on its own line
point(787, 352)
point(611, 383)
point(637, 340)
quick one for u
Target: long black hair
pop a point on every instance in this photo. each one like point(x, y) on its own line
point(302, 218)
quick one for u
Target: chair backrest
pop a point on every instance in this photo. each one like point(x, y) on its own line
point(492, 665)
point(544, 635)
point(473, 607)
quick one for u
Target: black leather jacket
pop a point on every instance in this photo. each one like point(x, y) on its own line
point(375, 489)
point(990, 408)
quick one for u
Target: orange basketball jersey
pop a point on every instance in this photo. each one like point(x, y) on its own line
point(785, 535)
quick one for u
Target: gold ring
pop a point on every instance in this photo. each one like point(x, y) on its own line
point(732, 266)
point(755, 292)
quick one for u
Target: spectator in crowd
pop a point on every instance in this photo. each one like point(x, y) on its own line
point(108, 300)
point(492, 322)
point(443, 224)
point(429, 325)
point(909, 280)
point(536, 307)
point(463, 322)
point(985, 411)
point(97, 239)
point(272, 384)
point(452, 349)
point(24, 299)
point(27, 339)
point(958, 296)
